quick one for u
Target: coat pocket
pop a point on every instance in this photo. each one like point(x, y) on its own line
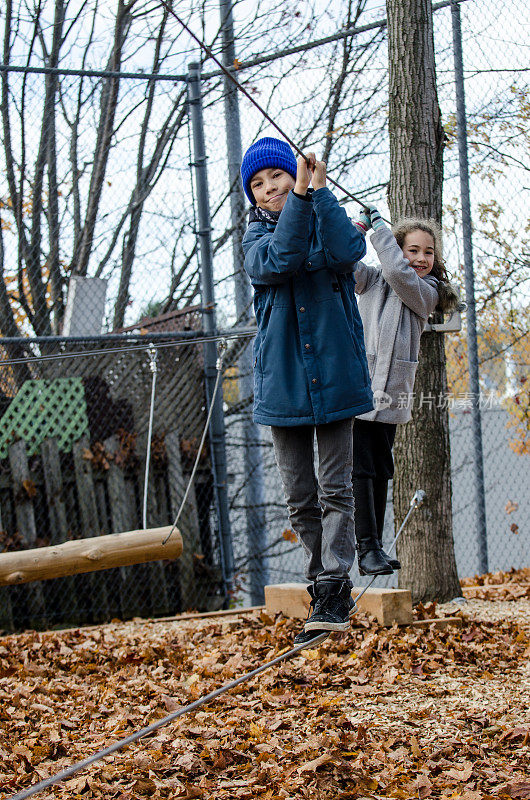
point(400, 383)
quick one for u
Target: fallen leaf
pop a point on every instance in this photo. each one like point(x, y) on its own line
point(312, 766)
point(415, 747)
point(519, 789)
point(188, 761)
point(462, 774)
point(423, 786)
point(30, 488)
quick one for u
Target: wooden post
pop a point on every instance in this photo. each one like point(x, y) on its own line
point(387, 605)
point(88, 555)
point(59, 529)
point(123, 516)
point(154, 573)
point(94, 585)
point(25, 517)
point(188, 522)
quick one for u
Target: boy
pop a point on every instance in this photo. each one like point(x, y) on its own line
point(310, 370)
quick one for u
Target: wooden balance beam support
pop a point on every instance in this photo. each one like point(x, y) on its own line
point(89, 555)
point(387, 605)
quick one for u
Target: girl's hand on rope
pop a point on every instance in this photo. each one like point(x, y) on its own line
point(375, 218)
point(363, 221)
point(319, 175)
point(304, 172)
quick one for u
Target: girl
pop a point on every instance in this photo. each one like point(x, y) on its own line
point(395, 302)
point(310, 371)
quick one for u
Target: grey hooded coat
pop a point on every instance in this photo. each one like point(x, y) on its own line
point(394, 303)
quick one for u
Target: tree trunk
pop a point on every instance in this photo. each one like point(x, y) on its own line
point(422, 449)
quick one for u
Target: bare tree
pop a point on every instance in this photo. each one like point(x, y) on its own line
point(422, 449)
point(60, 214)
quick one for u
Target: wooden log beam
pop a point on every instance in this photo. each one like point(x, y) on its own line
point(438, 622)
point(89, 555)
point(472, 590)
point(387, 605)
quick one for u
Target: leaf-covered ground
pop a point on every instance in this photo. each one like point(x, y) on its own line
point(499, 585)
point(378, 713)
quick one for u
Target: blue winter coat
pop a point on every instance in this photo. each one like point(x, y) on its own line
point(309, 359)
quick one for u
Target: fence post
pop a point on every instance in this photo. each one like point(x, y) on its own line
point(59, 528)
point(23, 490)
point(471, 327)
point(6, 611)
point(217, 426)
point(254, 489)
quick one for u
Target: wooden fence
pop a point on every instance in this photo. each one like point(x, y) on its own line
point(93, 490)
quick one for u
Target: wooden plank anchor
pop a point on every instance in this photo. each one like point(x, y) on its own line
point(387, 605)
point(89, 555)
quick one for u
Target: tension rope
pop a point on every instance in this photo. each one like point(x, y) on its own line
point(415, 503)
point(221, 350)
point(254, 102)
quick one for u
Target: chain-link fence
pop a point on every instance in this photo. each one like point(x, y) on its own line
point(101, 233)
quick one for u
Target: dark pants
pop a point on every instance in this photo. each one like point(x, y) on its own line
point(320, 511)
point(373, 467)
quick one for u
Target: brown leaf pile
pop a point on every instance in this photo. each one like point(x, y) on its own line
point(379, 713)
point(510, 585)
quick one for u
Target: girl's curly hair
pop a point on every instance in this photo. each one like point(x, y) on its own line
point(408, 225)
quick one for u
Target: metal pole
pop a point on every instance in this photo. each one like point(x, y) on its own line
point(472, 346)
point(254, 489)
point(217, 428)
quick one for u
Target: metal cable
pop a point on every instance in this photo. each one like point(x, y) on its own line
point(219, 366)
point(154, 369)
point(161, 722)
point(416, 502)
point(128, 348)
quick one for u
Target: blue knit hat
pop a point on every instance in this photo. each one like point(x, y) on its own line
point(265, 153)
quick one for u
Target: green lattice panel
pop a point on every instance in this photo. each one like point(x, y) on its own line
point(45, 409)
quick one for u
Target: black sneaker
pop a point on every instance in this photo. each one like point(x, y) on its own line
point(306, 637)
point(331, 607)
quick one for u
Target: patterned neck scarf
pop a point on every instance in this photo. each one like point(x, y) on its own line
point(257, 214)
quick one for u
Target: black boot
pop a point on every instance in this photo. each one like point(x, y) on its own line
point(332, 607)
point(371, 558)
point(380, 487)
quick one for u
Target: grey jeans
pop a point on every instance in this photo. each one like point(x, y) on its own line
point(320, 512)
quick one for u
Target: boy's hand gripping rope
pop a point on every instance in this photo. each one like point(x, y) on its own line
point(242, 89)
point(416, 502)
